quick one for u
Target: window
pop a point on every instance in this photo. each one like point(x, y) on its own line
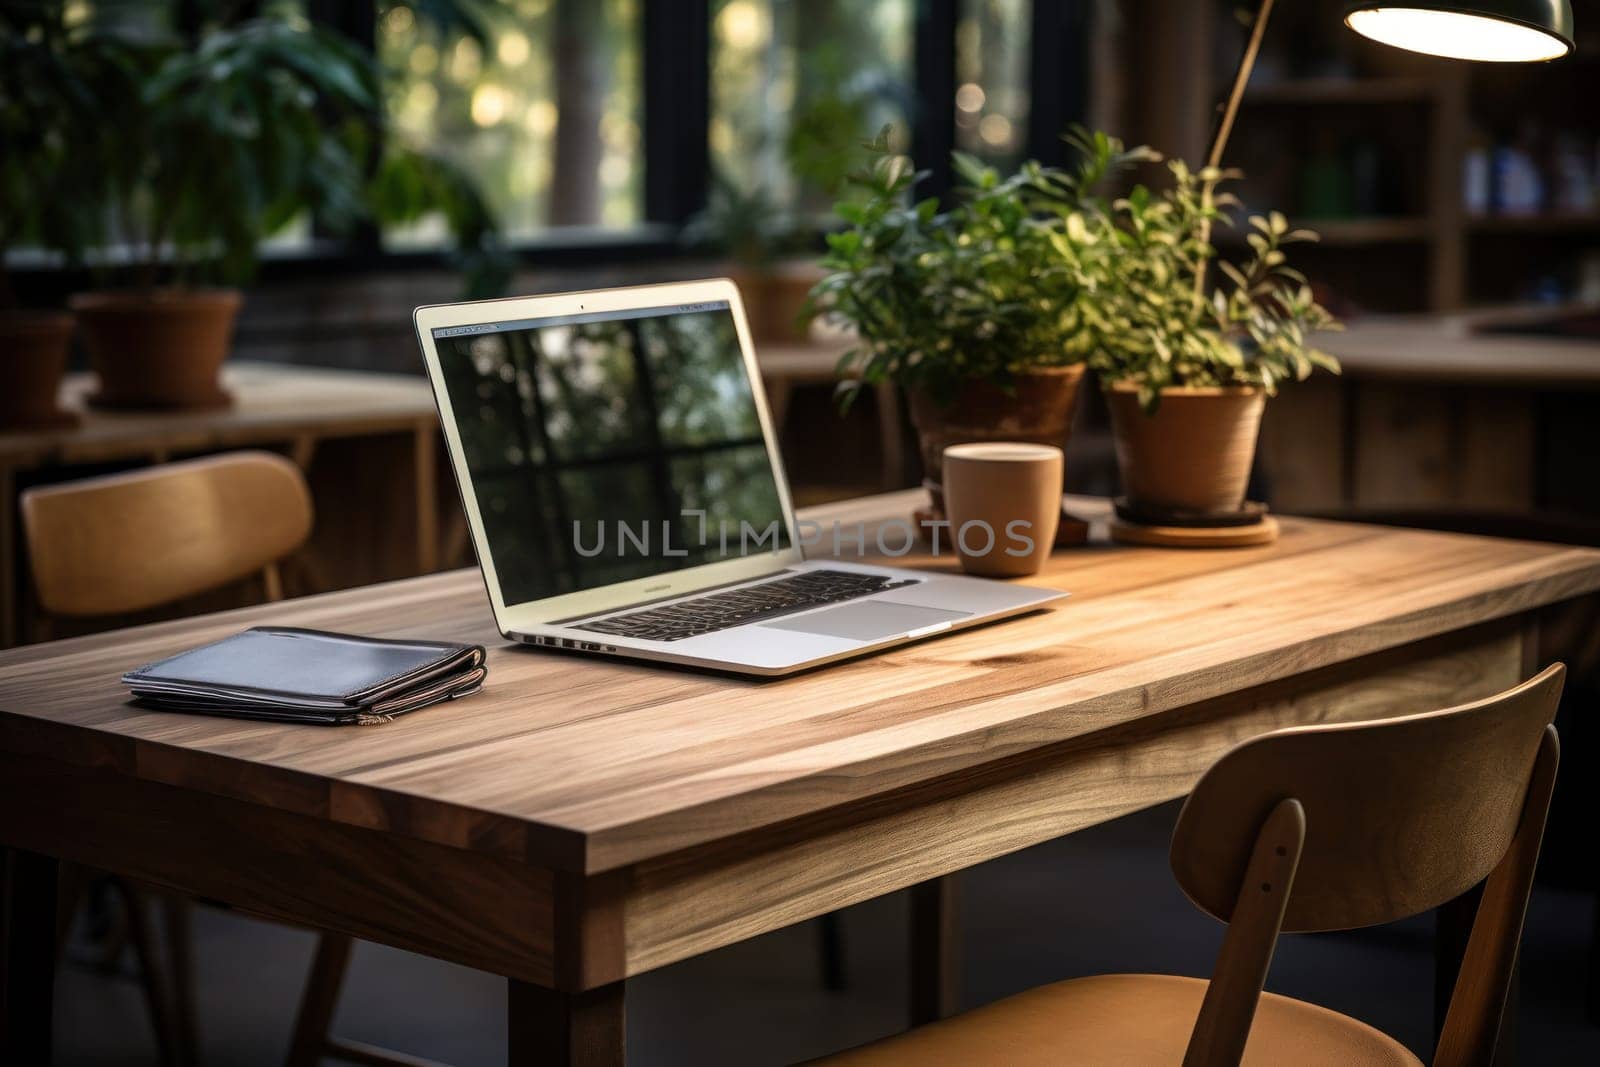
point(542, 107)
point(596, 129)
point(797, 84)
point(992, 39)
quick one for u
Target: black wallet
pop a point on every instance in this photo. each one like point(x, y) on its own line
point(283, 674)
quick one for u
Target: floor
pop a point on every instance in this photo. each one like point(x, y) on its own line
point(1099, 901)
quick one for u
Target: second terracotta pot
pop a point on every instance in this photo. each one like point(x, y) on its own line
point(1039, 411)
point(1194, 454)
point(158, 349)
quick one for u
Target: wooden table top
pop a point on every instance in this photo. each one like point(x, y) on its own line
point(1447, 348)
point(271, 402)
point(588, 764)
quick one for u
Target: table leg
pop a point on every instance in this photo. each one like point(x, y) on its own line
point(547, 1027)
point(27, 955)
point(175, 910)
point(935, 944)
point(427, 471)
point(319, 1000)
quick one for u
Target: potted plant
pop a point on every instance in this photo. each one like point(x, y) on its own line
point(973, 310)
point(209, 146)
point(1186, 369)
point(46, 107)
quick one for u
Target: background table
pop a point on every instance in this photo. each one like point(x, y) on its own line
point(583, 820)
point(1435, 419)
point(368, 444)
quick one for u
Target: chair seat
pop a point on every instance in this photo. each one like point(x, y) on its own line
point(1137, 1020)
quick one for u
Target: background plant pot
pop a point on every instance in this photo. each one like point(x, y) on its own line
point(158, 349)
point(1194, 454)
point(33, 356)
point(774, 297)
point(1039, 412)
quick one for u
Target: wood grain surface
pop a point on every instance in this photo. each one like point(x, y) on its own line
point(588, 765)
point(272, 402)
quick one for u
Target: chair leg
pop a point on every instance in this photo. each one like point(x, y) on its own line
point(141, 932)
point(73, 886)
point(313, 1025)
point(107, 925)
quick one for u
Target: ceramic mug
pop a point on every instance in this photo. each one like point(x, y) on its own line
point(1003, 500)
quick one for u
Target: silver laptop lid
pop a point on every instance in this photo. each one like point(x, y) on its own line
point(611, 447)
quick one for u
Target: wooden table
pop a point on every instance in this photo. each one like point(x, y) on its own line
point(582, 821)
point(367, 442)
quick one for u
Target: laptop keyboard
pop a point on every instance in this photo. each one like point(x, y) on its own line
point(745, 605)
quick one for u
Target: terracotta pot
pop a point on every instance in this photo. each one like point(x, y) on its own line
point(1194, 454)
point(774, 297)
point(158, 349)
point(1038, 412)
point(33, 356)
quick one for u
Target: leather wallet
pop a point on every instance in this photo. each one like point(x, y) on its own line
point(283, 674)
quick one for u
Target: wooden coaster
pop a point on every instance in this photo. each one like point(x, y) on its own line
point(1247, 514)
point(1258, 533)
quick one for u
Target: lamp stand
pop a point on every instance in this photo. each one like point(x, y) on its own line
point(1230, 110)
point(1241, 78)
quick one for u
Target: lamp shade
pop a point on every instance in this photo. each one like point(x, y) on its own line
point(1505, 31)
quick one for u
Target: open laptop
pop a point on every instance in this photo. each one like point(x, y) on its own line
point(621, 479)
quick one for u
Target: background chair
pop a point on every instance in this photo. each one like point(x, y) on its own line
point(134, 542)
point(1308, 829)
point(127, 543)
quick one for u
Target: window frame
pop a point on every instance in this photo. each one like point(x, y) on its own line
point(676, 52)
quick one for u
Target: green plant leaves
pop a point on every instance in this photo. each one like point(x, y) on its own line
point(192, 152)
point(986, 288)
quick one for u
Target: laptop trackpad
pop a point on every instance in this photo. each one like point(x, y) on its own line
point(868, 620)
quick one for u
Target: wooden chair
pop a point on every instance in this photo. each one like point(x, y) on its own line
point(128, 543)
point(1312, 828)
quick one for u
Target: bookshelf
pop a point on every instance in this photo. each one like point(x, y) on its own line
point(1370, 147)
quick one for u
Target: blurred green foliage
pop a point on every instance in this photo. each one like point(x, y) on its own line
point(1042, 268)
point(533, 98)
point(198, 142)
point(796, 87)
point(1156, 317)
point(977, 291)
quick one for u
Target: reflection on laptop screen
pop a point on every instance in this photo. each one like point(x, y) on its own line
point(592, 442)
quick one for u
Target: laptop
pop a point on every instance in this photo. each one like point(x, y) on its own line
point(621, 479)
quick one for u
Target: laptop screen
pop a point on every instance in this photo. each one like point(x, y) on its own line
point(610, 446)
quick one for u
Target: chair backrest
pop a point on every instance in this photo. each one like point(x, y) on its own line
point(1401, 814)
point(129, 542)
point(1342, 826)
